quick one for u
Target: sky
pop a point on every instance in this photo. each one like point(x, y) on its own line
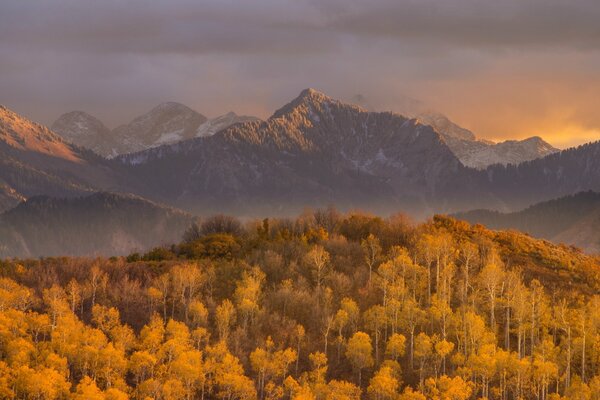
point(506, 69)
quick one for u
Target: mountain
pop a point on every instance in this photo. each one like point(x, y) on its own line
point(480, 154)
point(313, 151)
point(574, 220)
point(84, 130)
point(98, 224)
point(36, 161)
point(472, 151)
point(165, 124)
point(446, 127)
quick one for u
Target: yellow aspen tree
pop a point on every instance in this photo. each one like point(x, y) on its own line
point(360, 353)
point(372, 252)
point(318, 261)
point(383, 385)
point(342, 390)
point(225, 318)
point(87, 390)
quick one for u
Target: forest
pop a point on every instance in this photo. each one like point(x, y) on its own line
point(322, 306)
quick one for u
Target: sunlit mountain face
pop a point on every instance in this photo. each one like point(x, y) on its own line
point(299, 200)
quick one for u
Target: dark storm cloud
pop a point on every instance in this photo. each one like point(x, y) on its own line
point(502, 68)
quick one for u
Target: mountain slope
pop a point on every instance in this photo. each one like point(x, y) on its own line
point(99, 224)
point(313, 151)
point(36, 161)
point(573, 220)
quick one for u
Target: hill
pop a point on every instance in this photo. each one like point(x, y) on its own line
point(571, 219)
point(340, 306)
point(98, 224)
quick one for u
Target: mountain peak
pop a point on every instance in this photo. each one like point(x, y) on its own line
point(307, 99)
point(78, 123)
point(311, 93)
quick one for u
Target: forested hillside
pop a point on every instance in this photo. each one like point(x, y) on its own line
point(570, 219)
point(94, 225)
point(324, 306)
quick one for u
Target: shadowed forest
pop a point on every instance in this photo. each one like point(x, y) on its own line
point(324, 306)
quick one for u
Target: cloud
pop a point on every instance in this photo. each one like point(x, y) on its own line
point(472, 23)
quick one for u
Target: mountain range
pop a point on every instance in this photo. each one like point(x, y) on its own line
point(312, 152)
point(317, 151)
point(472, 151)
point(166, 123)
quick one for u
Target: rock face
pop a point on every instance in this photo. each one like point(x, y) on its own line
point(35, 161)
point(573, 220)
point(313, 151)
point(102, 224)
